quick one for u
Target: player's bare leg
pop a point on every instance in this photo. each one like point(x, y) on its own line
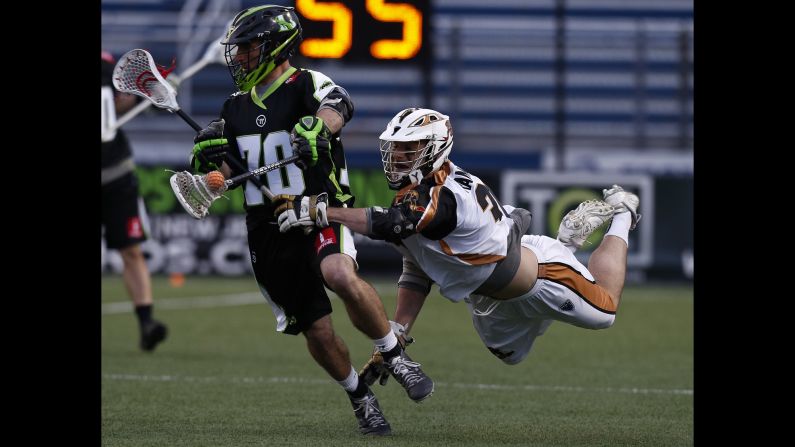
point(136, 275)
point(328, 349)
point(331, 353)
point(139, 286)
point(608, 263)
point(367, 314)
point(362, 302)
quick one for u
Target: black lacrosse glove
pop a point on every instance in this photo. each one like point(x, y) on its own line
point(310, 140)
point(375, 369)
point(210, 148)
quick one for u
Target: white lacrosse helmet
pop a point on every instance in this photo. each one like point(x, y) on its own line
point(411, 165)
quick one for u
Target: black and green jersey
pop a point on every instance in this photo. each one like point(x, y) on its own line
point(258, 125)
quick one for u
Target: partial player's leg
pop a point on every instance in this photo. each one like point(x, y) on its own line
point(125, 220)
point(330, 352)
point(336, 254)
point(139, 286)
point(565, 290)
point(504, 327)
point(608, 263)
point(136, 275)
point(287, 279)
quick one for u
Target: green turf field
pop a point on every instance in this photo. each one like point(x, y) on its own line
point(225, 377)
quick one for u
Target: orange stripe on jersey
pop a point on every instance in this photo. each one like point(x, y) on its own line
point(591, 292)
point(470, 258)
point(430, 210)
point(441, 175)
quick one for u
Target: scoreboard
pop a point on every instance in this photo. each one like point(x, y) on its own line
point(362, 31)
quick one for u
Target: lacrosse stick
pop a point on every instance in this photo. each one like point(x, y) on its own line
point(213, 54)
point(137, 73)
point(196, 195)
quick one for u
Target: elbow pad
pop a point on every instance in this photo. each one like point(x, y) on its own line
point(339, 101)
point(388, 224)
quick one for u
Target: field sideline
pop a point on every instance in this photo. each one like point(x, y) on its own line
point(224, 377)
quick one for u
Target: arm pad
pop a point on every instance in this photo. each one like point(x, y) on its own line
point(339, 101)
point(388, 224)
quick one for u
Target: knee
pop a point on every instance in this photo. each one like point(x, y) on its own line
point(321, 331)
point(132, 254)
point(339, 277)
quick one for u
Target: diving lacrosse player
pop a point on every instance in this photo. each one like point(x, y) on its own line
point(453, 231)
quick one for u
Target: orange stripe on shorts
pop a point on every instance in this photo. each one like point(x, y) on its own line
point(591, 292)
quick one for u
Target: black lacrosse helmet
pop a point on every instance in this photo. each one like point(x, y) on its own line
point(280, 32)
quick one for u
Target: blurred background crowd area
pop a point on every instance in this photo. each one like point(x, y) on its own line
point(550, 101)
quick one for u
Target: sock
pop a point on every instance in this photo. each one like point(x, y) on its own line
point(353, 386)
point(387, 342)
point(388, 346)
point(351, 381)
point(144, 314)
point(620, 226)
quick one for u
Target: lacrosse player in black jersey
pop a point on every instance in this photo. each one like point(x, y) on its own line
point(123, 213)
point(278, 108)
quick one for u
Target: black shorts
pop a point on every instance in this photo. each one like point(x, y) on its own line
point(287, 268)
point(123, 213)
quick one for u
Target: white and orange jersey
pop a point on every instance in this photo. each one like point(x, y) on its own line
point(462, 230)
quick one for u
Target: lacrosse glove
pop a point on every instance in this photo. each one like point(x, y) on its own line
point(300, 211)
point(210, 147)
point(310, 140)
point(375, 369)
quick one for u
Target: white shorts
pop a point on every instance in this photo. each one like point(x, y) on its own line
point(565, 291)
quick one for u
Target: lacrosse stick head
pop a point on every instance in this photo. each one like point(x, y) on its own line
point(194, 194)
point(137, 73)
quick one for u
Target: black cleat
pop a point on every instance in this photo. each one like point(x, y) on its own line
point(152, 333)
point(409, 375)
point(371, 419)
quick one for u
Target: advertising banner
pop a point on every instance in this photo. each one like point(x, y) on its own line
point(662, 246)
point(549, 196)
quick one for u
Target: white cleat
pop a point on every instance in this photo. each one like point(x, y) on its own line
point(581, 222)
point(623, 201)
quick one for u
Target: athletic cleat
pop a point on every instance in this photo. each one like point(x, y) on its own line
point(623, 201)
point(409, 375)
point(371, 419)
point(581, 222)
point(151, 334)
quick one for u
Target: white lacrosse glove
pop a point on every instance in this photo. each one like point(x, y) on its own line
point(193, 193)
point(300, 211)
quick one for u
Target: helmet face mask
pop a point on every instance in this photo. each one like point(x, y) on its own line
point(259, 40)
point(414, 145)
point(402, 158)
